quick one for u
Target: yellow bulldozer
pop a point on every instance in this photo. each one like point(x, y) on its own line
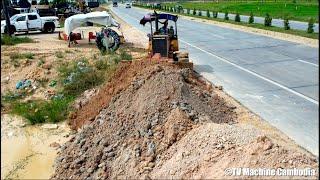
point(164, 40)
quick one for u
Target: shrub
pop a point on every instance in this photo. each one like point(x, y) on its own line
point(7, 40)
point(226, 17)
point(194, 12)
point(16, 55)
point(251, 18)
point(310, 26)
point(78, 77)
point(214, 14)
point(82, 81)
point(267, 20)
point(199, 13)
point(59, 54)
point(286, 24)
point(237, 18)
point(41, 62)
point(171, 9)
point(29, 55)
point(208, 13)
point(102, 64)
point(68, 51)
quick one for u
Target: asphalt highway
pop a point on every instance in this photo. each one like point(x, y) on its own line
point(276, 79)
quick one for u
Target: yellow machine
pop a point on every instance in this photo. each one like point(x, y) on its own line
point(164, 40)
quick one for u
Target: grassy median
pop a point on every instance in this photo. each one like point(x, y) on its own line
point(293, 10)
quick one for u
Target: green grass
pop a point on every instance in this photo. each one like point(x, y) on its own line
point(41, 61)
point(81, 75)
point(277, 9)
point(85, 76)
point(17, 55)
point(7, 40)
point(42, 111)
point(124, 55)
point(259, 26)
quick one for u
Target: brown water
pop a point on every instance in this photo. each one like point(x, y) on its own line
point(26, 151)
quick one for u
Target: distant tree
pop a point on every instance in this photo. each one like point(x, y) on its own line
point(310, 26)
point(44, 2)
point(188, 11)
point(286, 24)
point(251, 18)
point(237, 18)
point(24, 4)
point(194, 12)
point(199, 13)
point(268, 20)
point(226, 17)
point(214, 14)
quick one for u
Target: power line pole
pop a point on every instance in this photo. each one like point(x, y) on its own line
point(6, 13)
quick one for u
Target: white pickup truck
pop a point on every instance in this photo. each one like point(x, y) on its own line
point(30, 22)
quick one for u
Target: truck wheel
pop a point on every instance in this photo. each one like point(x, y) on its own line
point(49, 28)
point(113, 40)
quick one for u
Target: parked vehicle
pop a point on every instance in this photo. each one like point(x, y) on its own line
point(92, 3)
point(30, 22)
point(115, 4)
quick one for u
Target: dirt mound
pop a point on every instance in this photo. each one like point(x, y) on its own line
point(221, 146)
point(157, 120)
point(148, 107)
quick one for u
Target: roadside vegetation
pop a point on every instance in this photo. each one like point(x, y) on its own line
point(295, 10)
point(309, 32)
point(7, 40)
point(74, 77)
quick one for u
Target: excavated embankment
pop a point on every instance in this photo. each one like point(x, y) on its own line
point(156, 120)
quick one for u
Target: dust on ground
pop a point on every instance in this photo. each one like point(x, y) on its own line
point(157, 120)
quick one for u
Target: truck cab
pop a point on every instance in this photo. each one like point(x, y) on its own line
point(30, 22)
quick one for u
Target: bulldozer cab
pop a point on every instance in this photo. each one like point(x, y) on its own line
point(163, 38)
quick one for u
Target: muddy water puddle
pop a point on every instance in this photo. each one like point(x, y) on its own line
point(25, 149)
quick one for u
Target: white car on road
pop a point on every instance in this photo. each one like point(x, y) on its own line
point(30, 22)
point(128, 5)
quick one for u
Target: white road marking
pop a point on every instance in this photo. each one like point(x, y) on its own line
point(255, 74)
point(316, 65)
